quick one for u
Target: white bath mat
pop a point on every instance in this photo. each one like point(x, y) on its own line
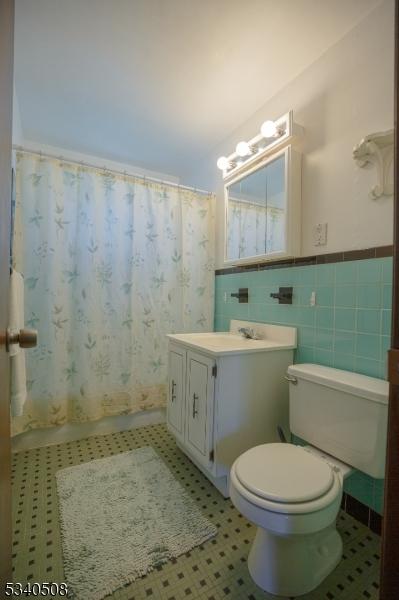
point(122, 516)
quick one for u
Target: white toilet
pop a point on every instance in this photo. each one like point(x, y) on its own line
point(293, 493)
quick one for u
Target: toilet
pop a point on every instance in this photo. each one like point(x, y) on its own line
point(292, 492)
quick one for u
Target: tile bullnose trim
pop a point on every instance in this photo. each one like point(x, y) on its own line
point(318, 259)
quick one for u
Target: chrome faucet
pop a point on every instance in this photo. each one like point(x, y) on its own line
point(248, 333)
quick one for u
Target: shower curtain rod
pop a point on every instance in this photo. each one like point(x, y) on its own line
point(103, 168)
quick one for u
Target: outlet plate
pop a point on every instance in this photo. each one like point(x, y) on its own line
point(320, 234)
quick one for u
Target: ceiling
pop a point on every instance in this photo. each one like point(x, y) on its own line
point(158, 83)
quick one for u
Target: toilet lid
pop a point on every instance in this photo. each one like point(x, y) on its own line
point(283, 473)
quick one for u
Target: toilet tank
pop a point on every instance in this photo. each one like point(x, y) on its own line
point(343, 413)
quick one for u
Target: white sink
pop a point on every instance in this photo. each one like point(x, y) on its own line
point(272, 337)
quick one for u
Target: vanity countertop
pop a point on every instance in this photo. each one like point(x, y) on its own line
point(273, 337)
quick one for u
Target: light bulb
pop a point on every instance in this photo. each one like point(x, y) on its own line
point(243, 149)
point(222, 163)
point(268, 129)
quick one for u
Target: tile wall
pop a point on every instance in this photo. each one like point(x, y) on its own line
point(348, 328)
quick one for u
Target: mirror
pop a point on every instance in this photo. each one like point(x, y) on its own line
point(257, 211)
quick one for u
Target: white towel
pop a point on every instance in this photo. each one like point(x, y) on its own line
point(17, 354)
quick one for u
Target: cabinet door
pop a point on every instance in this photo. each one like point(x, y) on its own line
point(177, 377)
point(199, 406)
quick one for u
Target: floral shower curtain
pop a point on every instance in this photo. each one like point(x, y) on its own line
point(111, 264)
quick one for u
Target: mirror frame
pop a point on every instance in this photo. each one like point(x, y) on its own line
point(292, 177)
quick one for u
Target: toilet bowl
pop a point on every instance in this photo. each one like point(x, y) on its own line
point(293, 493)
point(294, 498)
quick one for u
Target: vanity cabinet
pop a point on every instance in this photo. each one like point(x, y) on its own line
point(190, 401)
point(220, 405)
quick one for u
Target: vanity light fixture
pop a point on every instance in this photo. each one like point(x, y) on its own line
point(273, 136)
point(223, 163)
point(269, 129)
point(244, 149)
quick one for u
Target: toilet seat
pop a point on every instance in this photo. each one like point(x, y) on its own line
point(258, 493)
point(284, 473)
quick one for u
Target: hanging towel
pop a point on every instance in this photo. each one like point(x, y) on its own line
point(17, 354)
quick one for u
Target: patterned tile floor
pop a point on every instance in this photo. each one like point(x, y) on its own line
point(213, 571)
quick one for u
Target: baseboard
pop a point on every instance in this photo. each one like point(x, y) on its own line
point(38, 438)
point(362, 513)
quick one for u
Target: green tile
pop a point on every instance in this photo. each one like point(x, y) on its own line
point(285, 276)
point(220, 296)
point(287, 314)
point(218, 281)
point(222, 323)
point(306, 315)
point(324, 357)
point(344, 361)
point(345, 296)
point(258, 312)
point(305, 275)
point(304, 293)
point(368, 320)
point(368, 346)
point(236, 310)
point(324, 317)
point(369, 271)
point(325, 274)
point(345, 318)
point(378, 495)
point(306, 336)
point(253, 279)
point(386, 318)
point(276, 276)
point(324, 295)
point(387, 266)
point(387, 296)
point(360, 486)
point(369, 296)
point(367, 366)
point(258, 294)
point(346, 272)
point(344, 342)
point(324, 339)
point(385, 346)
point(304, 354)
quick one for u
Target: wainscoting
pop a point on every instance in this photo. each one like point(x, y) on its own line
point(348, 328)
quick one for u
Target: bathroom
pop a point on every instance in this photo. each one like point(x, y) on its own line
point(197, 235)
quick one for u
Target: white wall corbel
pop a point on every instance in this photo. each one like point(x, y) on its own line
point(377, 149)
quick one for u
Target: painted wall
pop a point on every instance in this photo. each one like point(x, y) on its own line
point(344, 95)
point(17, 134)
point(100, 162)
point(348, 328)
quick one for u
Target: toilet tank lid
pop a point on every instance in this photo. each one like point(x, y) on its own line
point(352, 383)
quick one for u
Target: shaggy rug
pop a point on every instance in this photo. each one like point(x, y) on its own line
point(122, 516)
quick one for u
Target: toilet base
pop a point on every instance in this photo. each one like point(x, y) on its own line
point(296, 564)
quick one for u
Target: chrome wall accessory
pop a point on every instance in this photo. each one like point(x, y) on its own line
point(248, 333)
point(242, 295)
point(284, 295)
